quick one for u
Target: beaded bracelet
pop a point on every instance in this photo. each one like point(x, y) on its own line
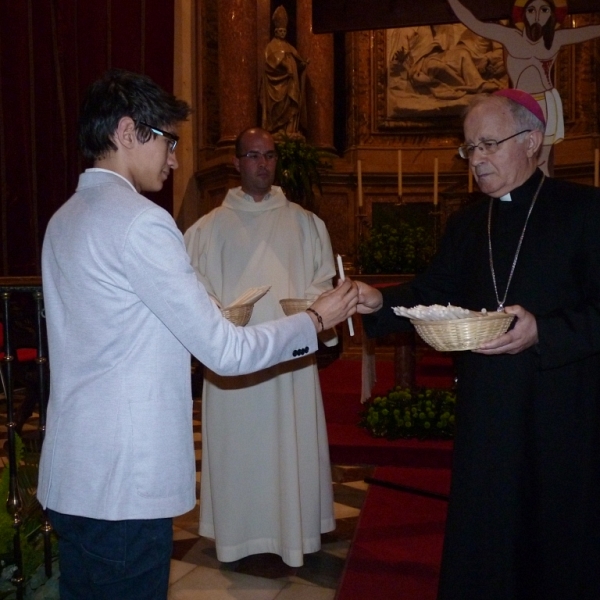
point(319, 317)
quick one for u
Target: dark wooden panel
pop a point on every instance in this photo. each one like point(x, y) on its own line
point(352, 15)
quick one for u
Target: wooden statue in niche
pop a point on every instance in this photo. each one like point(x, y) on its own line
point(282, 93)
point(531, 49)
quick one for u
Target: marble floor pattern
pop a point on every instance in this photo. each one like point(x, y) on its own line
point(196, 574)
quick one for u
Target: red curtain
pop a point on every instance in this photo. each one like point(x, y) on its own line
point(50, 52)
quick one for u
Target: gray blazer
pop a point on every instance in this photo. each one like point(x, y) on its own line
point(124, 310)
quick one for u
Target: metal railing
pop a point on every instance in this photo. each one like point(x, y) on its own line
point(9, 288)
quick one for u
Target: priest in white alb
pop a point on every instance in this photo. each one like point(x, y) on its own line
point(266, 478)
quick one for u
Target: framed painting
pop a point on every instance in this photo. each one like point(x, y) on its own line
point(427, 74)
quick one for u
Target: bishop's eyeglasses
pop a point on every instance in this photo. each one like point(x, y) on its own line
point(485, 146)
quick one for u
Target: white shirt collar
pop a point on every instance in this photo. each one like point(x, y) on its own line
point(506, 198)
point(239, 192)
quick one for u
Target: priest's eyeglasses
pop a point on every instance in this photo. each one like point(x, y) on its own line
point(485, 146)
point(269, 156)
point(171, 138)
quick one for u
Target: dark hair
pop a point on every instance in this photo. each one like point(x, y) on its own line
point(121, 94)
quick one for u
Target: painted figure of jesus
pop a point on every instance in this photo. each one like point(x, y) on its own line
point(531, 49)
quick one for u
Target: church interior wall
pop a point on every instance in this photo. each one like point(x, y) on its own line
point(359, 132)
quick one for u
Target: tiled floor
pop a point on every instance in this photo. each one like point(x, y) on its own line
point(196, 574)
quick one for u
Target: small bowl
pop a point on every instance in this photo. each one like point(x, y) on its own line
point(292, 306)
point(238, 315)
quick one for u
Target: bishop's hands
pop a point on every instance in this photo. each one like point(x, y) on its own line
point(336, 305)
point(522, 336)
point(370, 299)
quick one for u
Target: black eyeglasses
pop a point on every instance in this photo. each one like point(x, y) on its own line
point(255, 155)
point(171, 137)
point(485, 146)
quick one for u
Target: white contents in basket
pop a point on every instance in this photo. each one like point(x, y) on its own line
point(435, 312)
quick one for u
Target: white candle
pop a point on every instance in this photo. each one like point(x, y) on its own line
point(435, 182)
point(597, 167)
point(343, 277)
point(400, 173)
point(470, 181)
point(359, 176)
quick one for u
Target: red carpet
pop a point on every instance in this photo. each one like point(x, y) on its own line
point(350, 444)
point(397, 546)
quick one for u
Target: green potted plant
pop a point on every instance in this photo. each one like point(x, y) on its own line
point(298, 169)
point(401, 248)
point(404, 413)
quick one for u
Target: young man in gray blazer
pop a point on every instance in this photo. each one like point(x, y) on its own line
point(124, 311)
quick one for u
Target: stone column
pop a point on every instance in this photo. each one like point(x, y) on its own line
point(263, 35)
point(319, 74)
point(238, 94)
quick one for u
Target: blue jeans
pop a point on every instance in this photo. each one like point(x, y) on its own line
point(113, 560)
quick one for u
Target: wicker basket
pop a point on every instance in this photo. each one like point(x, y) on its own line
point(238, 315)
point(462, 334)
point(291, 306)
